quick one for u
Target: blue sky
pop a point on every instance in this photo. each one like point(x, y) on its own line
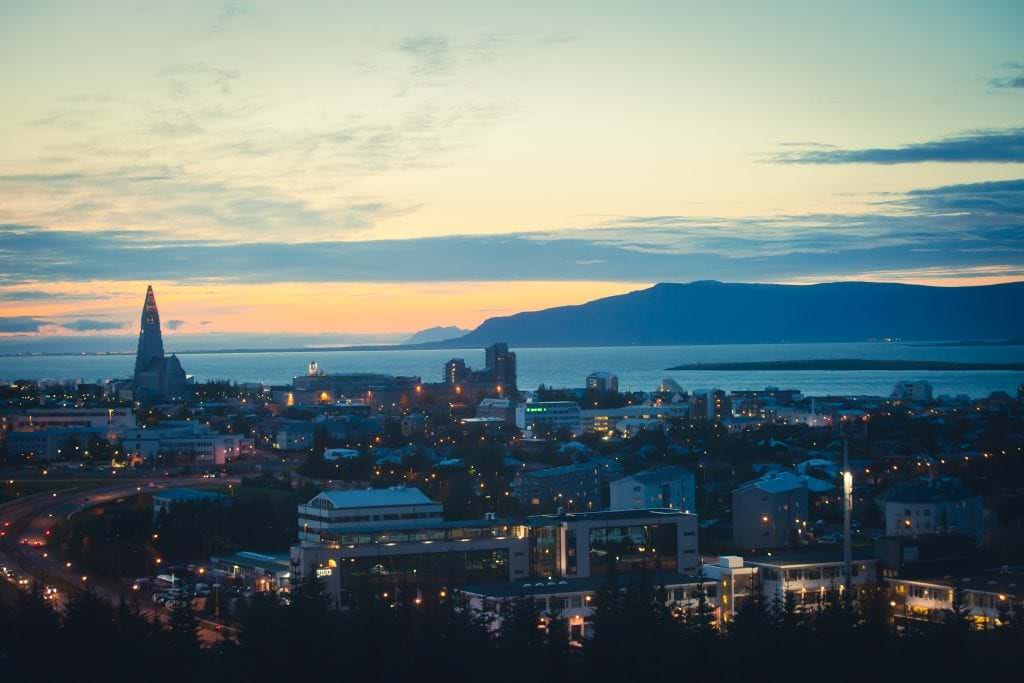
point(451, 161)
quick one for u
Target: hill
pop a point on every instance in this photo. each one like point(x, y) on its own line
point(710, 312)
point(435, 334)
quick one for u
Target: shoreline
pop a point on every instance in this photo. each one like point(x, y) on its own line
point(848, 365)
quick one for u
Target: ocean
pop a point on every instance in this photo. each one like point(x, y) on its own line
point(638, 367)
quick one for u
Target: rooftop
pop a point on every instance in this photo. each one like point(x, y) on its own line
point(812, 555)
point(929, 491)
point(364, 498)
point(661, 475)
point(1006, 581)
point(773, 482)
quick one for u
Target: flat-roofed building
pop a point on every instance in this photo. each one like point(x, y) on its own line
point(490, 551)
point(549, 415)
point(933, 506)
point(330, 511)
point(809, 577)
point(573, 599)
point(988, 596)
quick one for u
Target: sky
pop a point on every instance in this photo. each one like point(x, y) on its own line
point(354, 172)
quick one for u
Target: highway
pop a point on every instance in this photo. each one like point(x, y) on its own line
point(26, 521)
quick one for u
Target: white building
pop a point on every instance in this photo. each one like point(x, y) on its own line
point(552, 415)
point(666, 487)
point(769, 512)
point(188, 438)
point(920, 391)
point(808, 577)
point(333, 510)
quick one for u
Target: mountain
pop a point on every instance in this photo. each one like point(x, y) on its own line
point(436, 334)
point(709, 312)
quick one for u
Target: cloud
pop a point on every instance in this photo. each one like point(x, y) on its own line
point(173, 324)
point(87, 325)
point(21, 324)
point(1015, 80)
point(953, 227)
point(431, 53)
point(37, 295)
point(992, 146)
point(229, 12)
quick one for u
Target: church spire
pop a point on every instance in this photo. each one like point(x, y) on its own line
point(151, 343)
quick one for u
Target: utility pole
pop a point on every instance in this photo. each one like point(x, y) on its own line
point(847, 511)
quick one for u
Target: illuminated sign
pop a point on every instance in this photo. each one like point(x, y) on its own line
point(326, 571)
point(536, 410)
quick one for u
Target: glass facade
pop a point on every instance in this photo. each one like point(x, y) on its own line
point(544, 550)
point(650, 547)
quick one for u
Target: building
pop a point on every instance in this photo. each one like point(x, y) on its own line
point(602, 420)
point(710, 405)
point(665, 487)
point(807, 578)
point(157, 377)
point(498, 378)
point(937, 505)
point(295, 435)
point(55, 443)
point(258, 571)
point(573, 599)
point(189, 439)
point(168, 498)
point(735, 582)
point(502, 408)
point(988, 596)
point(769, 512)
point(492, 551)
point(106, 418)
point(573, 487)
point(916, 392)
point(332, 511)
point(549, 416)
point(603, 381)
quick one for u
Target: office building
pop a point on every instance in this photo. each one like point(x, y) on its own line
point(157, 377)
point(55, 443)
point(331, 511)
point(665, 487)
point(549, 416)
point(496, 552)
point(769, 512)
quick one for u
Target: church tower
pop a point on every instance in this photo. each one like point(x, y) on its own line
point(151, 343)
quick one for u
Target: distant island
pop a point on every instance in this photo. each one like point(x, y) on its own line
point(848, 364)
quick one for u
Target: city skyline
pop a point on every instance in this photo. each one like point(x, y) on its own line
point(367, 172)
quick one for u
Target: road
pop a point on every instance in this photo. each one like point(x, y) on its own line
point(27, 520)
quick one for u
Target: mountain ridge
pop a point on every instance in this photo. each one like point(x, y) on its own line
point(712, 312)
